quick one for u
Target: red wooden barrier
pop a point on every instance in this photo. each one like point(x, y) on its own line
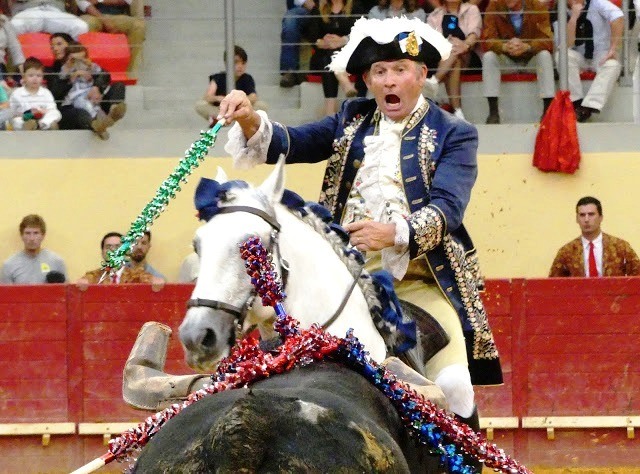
point(568, 346)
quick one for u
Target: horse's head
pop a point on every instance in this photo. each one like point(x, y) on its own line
point(223, 293)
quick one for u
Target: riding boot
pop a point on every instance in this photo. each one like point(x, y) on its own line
point(474, 423)
point(145, 385)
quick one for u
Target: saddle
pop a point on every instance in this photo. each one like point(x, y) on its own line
point(431, 337)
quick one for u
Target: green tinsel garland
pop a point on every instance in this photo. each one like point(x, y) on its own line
point(167, 190)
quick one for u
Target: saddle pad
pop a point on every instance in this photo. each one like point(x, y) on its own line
point(431, 336)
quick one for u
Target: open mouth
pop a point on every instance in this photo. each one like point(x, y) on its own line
point(391, 99)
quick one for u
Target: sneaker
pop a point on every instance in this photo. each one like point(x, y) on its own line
point(458, 113)
point(100, 125)
point(30, 125)
point(289, 79)
point(117, 111)
point(431, 86)
point(53, 126)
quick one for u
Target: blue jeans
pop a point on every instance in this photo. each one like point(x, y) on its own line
point(293, 24)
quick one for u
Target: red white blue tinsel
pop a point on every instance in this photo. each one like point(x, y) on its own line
point(435, 428)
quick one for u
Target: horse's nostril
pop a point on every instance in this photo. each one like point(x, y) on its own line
point(209, 339)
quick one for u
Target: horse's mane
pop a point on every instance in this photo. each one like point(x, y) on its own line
point(398, 332)
point(317, 218)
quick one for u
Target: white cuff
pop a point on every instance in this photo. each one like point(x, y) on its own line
point(248, 153)
point(396, 259)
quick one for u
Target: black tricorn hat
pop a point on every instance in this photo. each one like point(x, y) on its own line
point(392, 39)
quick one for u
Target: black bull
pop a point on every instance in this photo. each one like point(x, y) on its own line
point(320, 418)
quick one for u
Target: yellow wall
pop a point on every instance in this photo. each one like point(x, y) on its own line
point(518, 216)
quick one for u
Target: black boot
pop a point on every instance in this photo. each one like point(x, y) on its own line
point(494, 114)
point(474, 423)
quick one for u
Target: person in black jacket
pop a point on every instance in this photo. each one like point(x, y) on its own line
point(109, 95)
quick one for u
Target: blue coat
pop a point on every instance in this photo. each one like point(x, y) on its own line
point(439, 167)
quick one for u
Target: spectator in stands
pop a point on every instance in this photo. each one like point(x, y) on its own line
point(189, 268)
point(32, 264)
point(111, 242)
point(32, 105)
point(329, 30)
point(395, 8)
point(32, 16)
point(594, 253)
point(517, 36)
point(207, 107)
point(109, 94)
point(115, 16)
point(83, 74)
point(5, 108)
point(138, 257)
point(461, 24)
point(9, 44)
point(594, 36)
point(294, 25)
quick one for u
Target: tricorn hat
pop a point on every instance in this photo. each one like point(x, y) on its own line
point(391, 39)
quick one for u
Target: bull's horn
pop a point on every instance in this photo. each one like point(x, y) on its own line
point(145, 385)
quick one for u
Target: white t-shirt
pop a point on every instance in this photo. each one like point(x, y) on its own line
point(601, 13)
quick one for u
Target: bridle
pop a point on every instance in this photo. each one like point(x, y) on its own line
point(240, 313)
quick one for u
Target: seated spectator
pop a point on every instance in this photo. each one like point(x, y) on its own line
point(83, 74)
point(207, 107)
point(594, 253)
point(9, 44)
point(517, 37)
point(594, 36)
point(115, 16)
point(5, 108)
point(33, 264)
point(397, 8)
point(294, 25)
point(32, 16)
point(32, 105)
point(461, 24)
point(138, 257)
point(329, 29)
point(110, 95)
point(189, 268)
point(111, 242)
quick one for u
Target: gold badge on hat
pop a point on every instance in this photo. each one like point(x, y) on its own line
point(413, 49)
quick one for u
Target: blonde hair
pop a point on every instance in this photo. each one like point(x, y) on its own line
point(325, 9)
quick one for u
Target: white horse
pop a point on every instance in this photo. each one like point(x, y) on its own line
point(320, 285)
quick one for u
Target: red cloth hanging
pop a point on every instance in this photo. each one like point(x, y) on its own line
point(557, 147)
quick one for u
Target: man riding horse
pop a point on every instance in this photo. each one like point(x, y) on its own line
point(399, 177)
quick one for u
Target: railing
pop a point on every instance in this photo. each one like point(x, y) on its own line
point(568, 351)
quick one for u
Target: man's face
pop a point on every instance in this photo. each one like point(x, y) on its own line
point(589, 220)
point(514, 5)
point(32, 238)
point(140, 249)
point(396, 86)
point(239, 66)
point(111, 243)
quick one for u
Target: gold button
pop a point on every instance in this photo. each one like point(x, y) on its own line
point(356, 164)
point(347, 184)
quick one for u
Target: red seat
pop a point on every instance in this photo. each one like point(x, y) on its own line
point(111, 52)
point(37, 45)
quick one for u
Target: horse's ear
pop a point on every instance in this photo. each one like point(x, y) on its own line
point(273, 186)
point(221, 176)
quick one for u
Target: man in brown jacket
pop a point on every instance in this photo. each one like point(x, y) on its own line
point(594, 253)
point(517, 36)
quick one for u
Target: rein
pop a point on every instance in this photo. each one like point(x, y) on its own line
point(240, 313)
